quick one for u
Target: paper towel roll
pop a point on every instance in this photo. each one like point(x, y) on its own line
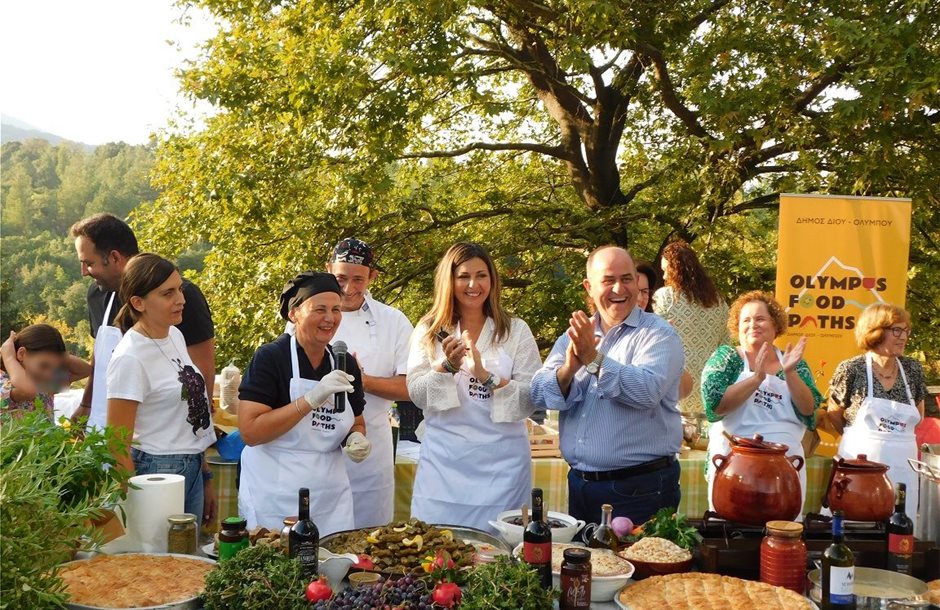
point(151, 498)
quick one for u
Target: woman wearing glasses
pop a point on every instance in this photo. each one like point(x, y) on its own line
point(877, 398)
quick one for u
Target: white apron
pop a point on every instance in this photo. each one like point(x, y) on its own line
point(884, 431)
point(471, 469)
point(768, 412)
point(106, 339)
point(307, 455)
point(372, 480)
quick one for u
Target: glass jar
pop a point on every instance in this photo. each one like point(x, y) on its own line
point(233, 537)
point(285, 531)
point(576, 580)
point(783, 556)
point(181, 537)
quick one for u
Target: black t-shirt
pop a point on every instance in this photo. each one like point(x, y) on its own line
point(267, 380)
point(196, 326)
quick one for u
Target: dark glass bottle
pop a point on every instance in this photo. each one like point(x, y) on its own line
point(537, 541)
point(900, 534)
point(303, 542)
point(604, 536)
point(838, 571)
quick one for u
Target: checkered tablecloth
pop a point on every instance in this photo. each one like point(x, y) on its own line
point(551, 474)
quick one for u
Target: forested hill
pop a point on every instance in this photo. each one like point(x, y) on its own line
point(44, 189)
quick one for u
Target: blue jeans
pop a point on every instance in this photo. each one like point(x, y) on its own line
point(637, 497)
point(188, 464)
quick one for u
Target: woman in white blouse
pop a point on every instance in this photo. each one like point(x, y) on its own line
point(469, 371)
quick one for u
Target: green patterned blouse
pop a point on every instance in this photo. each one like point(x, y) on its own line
point(723, 369)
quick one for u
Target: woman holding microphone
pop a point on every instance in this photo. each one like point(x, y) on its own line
point(288, 417)
point(469, 371)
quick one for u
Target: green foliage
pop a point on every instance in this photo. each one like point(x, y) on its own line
point(542, 129)
point(52, 484)
point(257, 578)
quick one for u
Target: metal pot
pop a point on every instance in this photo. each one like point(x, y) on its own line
point(928, 526)
point(884, 590)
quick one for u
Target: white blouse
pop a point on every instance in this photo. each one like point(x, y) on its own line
point(433, 391)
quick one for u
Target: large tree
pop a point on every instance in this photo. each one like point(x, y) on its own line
point(542, 128)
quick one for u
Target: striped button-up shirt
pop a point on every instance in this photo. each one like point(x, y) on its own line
point(628, 414)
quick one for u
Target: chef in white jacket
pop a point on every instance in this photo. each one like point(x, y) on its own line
point(469, 370)
point(378, 337)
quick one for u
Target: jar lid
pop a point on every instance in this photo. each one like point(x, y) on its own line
point(234, 523)
point(576, 555)
point(182, 519)
point(861, 462)
point(290, 520)
point(785, 529)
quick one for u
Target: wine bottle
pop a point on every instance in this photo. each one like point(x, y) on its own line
point(303, 542)
point(900, 534)
point(537, 541)
point(604, 536)
point(838, 571)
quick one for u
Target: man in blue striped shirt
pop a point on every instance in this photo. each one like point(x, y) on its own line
point(614, 377)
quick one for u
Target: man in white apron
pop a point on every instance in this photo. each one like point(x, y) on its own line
point(769, 412)
point(884, 431)
point(378, 335)
point(287, 416)
point(104, 243)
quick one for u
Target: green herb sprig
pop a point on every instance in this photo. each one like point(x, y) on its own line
point(257, 578)
point(505, 585)
point(672, 526)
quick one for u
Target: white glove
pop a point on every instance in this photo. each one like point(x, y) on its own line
point(357, 447)
point(333, 383)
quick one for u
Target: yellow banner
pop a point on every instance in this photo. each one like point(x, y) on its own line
point(835, 256)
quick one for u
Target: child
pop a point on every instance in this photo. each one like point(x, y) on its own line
point(33, 366)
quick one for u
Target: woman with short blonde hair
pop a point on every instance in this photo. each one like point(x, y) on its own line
point(877, 398)
point(469, 370)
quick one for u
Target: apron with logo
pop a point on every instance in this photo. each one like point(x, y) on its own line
point(471, 468)
point(106, 339)
point(373, 479)
point(768, 412)
point(884, 431)
point(307, 455)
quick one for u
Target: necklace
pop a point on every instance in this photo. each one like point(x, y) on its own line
point(178, 363)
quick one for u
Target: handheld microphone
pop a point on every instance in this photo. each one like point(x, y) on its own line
point(339, 399)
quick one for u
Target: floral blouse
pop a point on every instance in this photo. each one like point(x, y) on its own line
point(701, 329)
point(849, 385)
point(42, 401)
point(722, 371)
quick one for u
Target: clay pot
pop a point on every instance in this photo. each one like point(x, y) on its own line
point(861, 489)
point(757, 482)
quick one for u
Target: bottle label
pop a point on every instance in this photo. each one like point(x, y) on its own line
point(576, 592)
point(841, 585)
point(306, 553)
point(227, 550)
point(537, 553)
point(900, 552)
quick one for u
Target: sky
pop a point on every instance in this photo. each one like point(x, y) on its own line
point(96, 71)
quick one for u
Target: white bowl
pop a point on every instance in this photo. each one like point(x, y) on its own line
point(512, 534)
point(603, 588)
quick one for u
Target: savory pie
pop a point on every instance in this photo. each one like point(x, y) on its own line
point(697, 591)
point(933, 592)
point(134, 580)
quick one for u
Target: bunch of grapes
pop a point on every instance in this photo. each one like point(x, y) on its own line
point(407, 593)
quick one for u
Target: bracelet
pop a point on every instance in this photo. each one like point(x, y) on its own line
point(449, 367)
point(83, 405)
point(297, 406)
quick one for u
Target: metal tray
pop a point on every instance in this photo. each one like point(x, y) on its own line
point(193, 603)
point(467, 534)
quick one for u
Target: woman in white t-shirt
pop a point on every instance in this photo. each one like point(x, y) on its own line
point(154, 390)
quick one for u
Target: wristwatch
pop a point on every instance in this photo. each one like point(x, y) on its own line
point(594, 367)
point(492, 381)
